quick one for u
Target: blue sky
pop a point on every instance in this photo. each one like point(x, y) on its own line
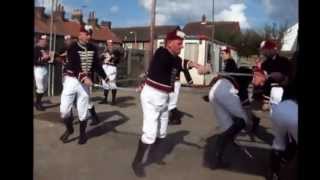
point(256, 13)
point(122, 13)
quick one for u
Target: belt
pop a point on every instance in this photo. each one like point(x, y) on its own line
point(275, 85)
point(69, 73)
point(159, 86)
point(40, 65)
point(110, 64)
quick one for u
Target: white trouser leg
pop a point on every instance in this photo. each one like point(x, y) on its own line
point(275, 97)
point(90, 106)
point(154, 104)
point(224, 98)
point(284, 120)
point(83, 96)
point(173, 96)
point(163, 124)
point(41, 78)
point(111, 72)
point(68, 96)
point(223, 117)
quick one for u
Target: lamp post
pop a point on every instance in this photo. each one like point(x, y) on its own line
point(135, 38)
point(212, 36)
point(152, 25)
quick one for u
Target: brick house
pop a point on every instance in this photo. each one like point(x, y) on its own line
point(139, 37)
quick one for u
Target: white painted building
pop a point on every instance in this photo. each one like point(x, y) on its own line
point(199, 51)
point(289, 41)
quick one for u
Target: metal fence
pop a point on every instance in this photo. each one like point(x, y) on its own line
point(129, 69)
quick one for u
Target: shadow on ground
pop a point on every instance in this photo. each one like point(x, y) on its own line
point(261, 133)
point(246, 159)
point(121, 101)
point(109, 121)
point(162, 148)
point(238, 158)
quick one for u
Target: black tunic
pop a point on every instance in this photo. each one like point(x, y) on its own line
point(83, 61)
point(116, 55)
point(38, 53)
point(275, 64)
point(163, 70)
point(230, 66)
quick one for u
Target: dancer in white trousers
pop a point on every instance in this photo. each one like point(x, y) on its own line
point(111, 58)
point(82, 62)
point(155, 95)
point(227, 97)
point(64, 59)
point(40, 65)
point(278, 69)
point(284, 119)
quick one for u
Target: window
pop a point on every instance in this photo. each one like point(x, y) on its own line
point(161, 44)
point(209, 52)
point(191, 51)
point(129, 45)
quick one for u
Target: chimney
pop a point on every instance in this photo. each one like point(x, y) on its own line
point(77, 16)
point(106, 24)
point(39, 12)
point(92, 20)
point(203, 19)
point(58, 14)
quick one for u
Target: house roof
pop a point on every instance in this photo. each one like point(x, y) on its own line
point(142, 32)
point(64, 27)
point(199, 29)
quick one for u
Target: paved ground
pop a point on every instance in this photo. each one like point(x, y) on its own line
point(112, 144)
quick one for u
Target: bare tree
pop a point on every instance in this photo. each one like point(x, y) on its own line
point(275, 31)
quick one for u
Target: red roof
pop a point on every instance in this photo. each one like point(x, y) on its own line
point(101, 33)
point(199, 29)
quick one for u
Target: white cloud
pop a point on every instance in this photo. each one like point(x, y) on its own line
point(268, 5)
point(114, 9)
point(234, 13)
point(182, 11)
point(47, 4)
point(284, 10)
point(44, 3)
point(146, 4)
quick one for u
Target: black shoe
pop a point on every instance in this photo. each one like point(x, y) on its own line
point(273, 176)
point(175, 122)
point(104, 101)
point(69, 129)
point(65, 136)
point(114, 93)
point(174, 117)
point(83, 136)
point(255, 124)
point(221, 164)
point(39, 106)
point(159, 151)
point(218, 163)
point(275, 164)
point(138, 164)
point(205, 98)
point(94, 117)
